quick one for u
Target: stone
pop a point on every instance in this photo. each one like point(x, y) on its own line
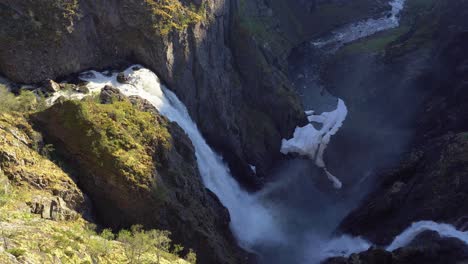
point(110, 94)
point(121, 78)
point(51, 86)
point(52, 208)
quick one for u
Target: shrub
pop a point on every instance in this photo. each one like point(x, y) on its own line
point(191, 257)
point(26, 101)
point(138, 242)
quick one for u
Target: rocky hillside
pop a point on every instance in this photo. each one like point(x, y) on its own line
point(138, 168)
point(43, 211)
point(125, 165)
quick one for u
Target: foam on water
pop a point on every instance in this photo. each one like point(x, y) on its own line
point(312, 142)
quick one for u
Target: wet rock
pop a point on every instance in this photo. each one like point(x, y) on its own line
point(121, 78)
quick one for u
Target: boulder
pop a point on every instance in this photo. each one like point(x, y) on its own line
point(121, 78)
point(54, 208)
point(110, 94)
point(51, 86)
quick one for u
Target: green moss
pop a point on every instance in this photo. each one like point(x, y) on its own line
point(118, 135)
point(168, 15)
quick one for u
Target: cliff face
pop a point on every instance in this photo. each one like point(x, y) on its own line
point(55, 38)
point(420, 89)
point(224, 59)
point(138, 168)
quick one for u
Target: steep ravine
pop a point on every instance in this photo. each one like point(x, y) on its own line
point(399, 86)
point(399, 131)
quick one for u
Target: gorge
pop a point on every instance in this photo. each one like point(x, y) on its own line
point(299, 132)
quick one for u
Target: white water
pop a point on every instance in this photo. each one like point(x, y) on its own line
point(251, 221)
point(312, 142)
point(362, 29)
point(345, 245)
point(444, 230)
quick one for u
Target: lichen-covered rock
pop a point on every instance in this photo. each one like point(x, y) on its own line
point(138, 168)
point(54, 208)
point(24, 166)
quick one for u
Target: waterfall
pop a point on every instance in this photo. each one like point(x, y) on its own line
point(251, 221)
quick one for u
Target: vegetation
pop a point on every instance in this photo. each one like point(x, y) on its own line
point(4, 189)
point(43, 241)
point(26, 101)
point(32, 239)
point(171, 15)
point(120, 136)
point(140, 245)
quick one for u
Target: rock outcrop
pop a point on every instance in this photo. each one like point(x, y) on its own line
point(139, 168)
point(25, 167)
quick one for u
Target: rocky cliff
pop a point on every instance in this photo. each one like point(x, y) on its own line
point(224, 59)
point(44, 215)
point(138, 168)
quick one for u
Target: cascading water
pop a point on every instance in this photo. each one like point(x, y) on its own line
point(255, 218)
point(251, 221)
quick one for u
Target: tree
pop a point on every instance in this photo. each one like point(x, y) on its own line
point(100, 246)
point(136, 243)
point(161, 242)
